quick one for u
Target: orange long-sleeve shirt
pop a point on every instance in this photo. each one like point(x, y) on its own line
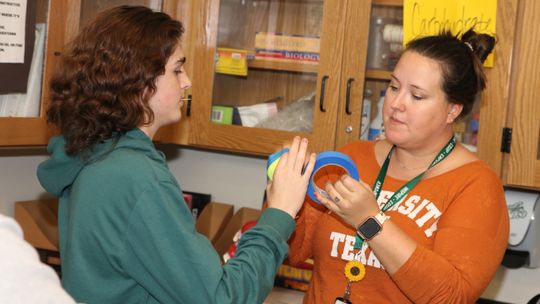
point(458, 219)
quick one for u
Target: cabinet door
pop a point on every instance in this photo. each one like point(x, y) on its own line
point(86, 9)
point(26, 131)
point(523, 163)
point(286, 91)
point(496, 98)
point(368, 61)
point(482, 130)
point(353, 71)
point(181, 10)
point(61, 21)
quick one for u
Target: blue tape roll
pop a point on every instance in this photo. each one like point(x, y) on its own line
point(324, 159)
point(332, 159)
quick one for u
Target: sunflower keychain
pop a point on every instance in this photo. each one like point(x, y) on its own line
point(354, 271)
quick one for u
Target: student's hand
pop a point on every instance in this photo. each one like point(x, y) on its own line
point(287, 191)
point(352, 200)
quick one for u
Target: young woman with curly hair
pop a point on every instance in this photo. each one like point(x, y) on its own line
point(126, 234)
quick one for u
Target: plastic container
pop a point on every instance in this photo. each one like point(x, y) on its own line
point(378, 56)
point(376, 128)
point(366, 115)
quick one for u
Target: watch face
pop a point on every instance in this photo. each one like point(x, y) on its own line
point(369, 228)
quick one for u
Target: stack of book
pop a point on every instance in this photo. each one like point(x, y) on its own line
point(286, 48)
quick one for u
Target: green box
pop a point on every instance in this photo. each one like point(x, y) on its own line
point(222, 115)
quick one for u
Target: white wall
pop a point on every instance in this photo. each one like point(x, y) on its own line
point(18, 179)
point(230, 179)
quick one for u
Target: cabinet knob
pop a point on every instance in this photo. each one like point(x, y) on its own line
point(348, 129)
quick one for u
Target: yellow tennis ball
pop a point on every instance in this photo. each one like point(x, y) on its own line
point(272, 168)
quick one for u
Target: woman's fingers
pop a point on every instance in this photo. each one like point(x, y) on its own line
point(283, 160)
point(341, 187)
point(301, 158)
point(296, 157)
point(308, 168)
point(293, 150)
point(330, 204)
point(287, 190)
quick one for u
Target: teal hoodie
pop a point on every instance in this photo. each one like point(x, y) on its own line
point(127, 236)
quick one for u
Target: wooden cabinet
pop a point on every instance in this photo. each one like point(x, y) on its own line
point(271, 84)
point(325, 96)
point(341, 76)
point(34, 131)
point(330, 89)
point(509, 135)
point(63, 19)
point(521, 162)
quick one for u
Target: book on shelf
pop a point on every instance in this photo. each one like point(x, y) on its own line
point(287, 56)
point(231, 61)
point(287, 42)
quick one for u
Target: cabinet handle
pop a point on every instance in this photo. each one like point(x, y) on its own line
point(323, 88)
point(348, 97)
point(188, 105)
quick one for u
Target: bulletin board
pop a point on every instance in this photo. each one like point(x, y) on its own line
point(14, 74)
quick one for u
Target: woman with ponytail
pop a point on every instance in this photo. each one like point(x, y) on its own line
point(427, 223)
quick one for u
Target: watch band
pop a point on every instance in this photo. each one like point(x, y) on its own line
point(381, 217)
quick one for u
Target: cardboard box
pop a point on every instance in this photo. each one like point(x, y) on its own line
point(242, 216)
point(39, 222)
point(213, 219)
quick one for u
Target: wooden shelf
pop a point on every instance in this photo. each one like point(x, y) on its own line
point(388, 2)
point(292, 66)
point(378, 74)
point(303, 67)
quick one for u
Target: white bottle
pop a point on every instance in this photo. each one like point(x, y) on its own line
point(376, 128)
point(366, 115)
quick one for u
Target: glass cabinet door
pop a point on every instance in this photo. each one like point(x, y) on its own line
point(176, 133)
point(21, 113)
point(267, 57)
point(385, 45)
point(268, 70)
point(368, 62)
point(22, 47)
point(89, 8)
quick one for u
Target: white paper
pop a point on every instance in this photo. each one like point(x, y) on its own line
point(12, 30)
point(28, 104)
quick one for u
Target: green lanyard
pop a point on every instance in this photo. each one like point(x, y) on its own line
point(404, 190)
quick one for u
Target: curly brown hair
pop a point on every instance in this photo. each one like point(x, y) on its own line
point(107, 75)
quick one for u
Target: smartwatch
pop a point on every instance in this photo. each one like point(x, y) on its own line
point(371, 226)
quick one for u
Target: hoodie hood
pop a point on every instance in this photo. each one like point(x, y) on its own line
point(61, 170)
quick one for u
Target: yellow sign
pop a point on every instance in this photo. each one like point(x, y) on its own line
point(231, 61)
point(430, 17)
